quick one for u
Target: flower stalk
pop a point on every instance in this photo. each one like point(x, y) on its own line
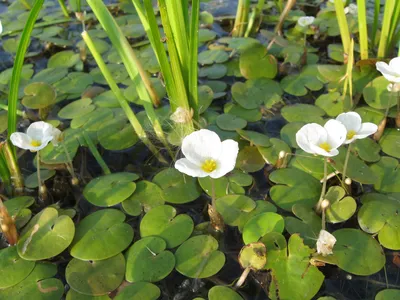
point(324, 182)
point(96, 153)
point(346, 161)
point(7, 224)
point(13, 167)
point(216, 220)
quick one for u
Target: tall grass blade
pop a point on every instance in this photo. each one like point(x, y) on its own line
point(343, 25)
point(193, 58)
point(362, 27)
point(387, 20)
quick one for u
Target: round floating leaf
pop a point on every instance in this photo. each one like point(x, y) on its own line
point(254, 93)
point(110, 189)
point(307, 224)
point(93, 120)
point(74, 295)
point(388, 175)
point(240, 178)
point(253, 256)
point(288, 133)
point(177, 187)
point(388, 294)
point(117, 134)
point(162, 221)
point(74, 83)
point(369, 114)
point(261, 207)
point(66, 59)
point(255, 62)
point(255, 138)
point(215, 71)
point(146, 196)
point(260, 225)
point(39, 95)
point(250, 115)
point(367, 149)
point(386, 222)
point(38, 285)
point(220, 292)
point(294, 187)
point(32, 180)
point(18, 209)
point(234, 208)
point(299, 85)
point(206, 35)
point(250, 160)
point(46, 235)
point(101, 235)
point(147, 260)
point(76, 109)
point(357, 252)
point(95, 278)
point(139, 291)
point(198, 257)
point(377, 95)
point(222, 186)
point(332, 103)
point(271, 154)
point(239, 43)
point(294, 277)
point(341, 208)
point(390, 142)
point(14, 268)
point(303, 113)
point(230, 122)
point(309, 163)
point(210, 57)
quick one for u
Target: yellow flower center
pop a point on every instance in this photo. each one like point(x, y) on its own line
point(35, 143)
point(350, 134)
point(325, 146)
point(209, 165)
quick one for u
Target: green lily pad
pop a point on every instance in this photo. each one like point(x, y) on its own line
point(262, 206)
point(386, 222)
point(222, 186)
point(250, 160)
point(240, 178)
point(332, 103)
point(163, 222)
point(18, 209)
point(299, 85)
point(357, 252)
point(117, 134)
point(388, 175)
point(147, 260)
point(95, 278)
point(76, 109)
point(215, 71)
point(294, 187)
point(139, 291)
point(39, 95)
point(369, 114)
point(32, 180)
point(146, 196)
point(376, 94)
point(303, 113)
point(388, 294)
point(253, 256)
point(341, 208)
point(206, 35)
point(206, 96)
point(260, 225)
point(357, 170)
point(46, 235)
point(94, 120)
point(271, 154)
point(293, 276)
point(230, 122)
point(177, 187)
point(74, 83)
point(250, 115)
point(74, 295)
point(37, 285)
point(255, 138)
point(220, 292)
point(233, 208)
point(239, 43)
point(67, 58)
point(118, 72)
point(256, 92)
point(367, 149)
point(111, 189)
point(56, 154)
point(255, 62)
point(210, 57)
point(101, 235)
point(390, 142)
point(16, 268)
point(199, 257)
point(288, 133)
point(307, 224)
point(309, 163)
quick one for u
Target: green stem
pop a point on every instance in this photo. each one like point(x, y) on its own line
point(193, 59)
point(39, 179)
point(346, 161)
point(377, 9)
point(64, 8)
point(242, 16)
point(70, 166)
point(96, 154)
point(363, 31)
point(13, 167)
point(19, 112)
point(323, 226)
point(387, 19)
point(343, 26)
point(323, 191)
point(213, 198)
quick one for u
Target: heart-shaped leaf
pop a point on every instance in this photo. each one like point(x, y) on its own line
point(255, 62)
point(341, 208)
point(233, 208)
point(260, 225)
point(377, 95)
point(220, 292)
point(388, 175)
point(139, 290)
point(39, 95)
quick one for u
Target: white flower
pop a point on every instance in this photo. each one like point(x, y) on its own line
point(355, 129)
point(315, 139)
point(57, 136)
point(38, 135)
point(206, 155)
point(391, 71)
point(325, 243)
point(305, 21)
point(393, 87)
point(351, 9)
point(1, 27)
point(182, 115)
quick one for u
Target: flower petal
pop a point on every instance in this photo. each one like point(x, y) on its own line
point(336, 133)
point(227, 160)
point(325, 243)
point(366, 130)
point(184, 165)
point(40, 131)
point(318, 150)
point(394, 65)
point(21, 140)
point(310, 134)
point(350, 120)
point(387, 71)
point(201, 145)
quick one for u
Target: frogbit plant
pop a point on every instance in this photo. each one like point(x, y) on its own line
point(206, 155)
point(304, 23)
